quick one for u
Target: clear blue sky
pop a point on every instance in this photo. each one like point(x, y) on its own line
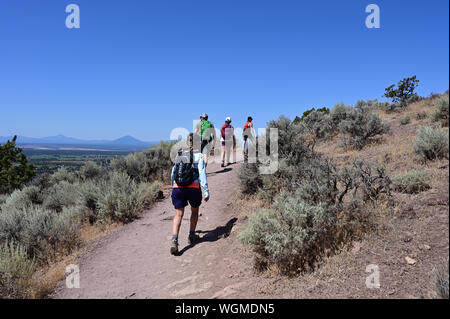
point(145, 67)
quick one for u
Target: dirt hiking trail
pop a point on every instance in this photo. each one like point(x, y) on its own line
point(134, 261)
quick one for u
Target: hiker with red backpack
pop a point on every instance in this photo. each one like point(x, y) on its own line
point(188, 177)
point(228, 141)
point(207, 134)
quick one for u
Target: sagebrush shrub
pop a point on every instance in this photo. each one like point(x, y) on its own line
point(3, 198)
point(421, 115)
point(122, 199)
point(20, 198)
point(60, 195)
point(40, 231)
point(431, 143)
point(250, 179)
point(441, 279)
point(147, 165)
point(291, 235)
point(339, 113)
point(62, 174)
point(91, 170)
point(412, 182)
point(441, 114)
point(317, 125)
point(369, 105)
point(360, 128)
point(405, 120)
point(15, 269)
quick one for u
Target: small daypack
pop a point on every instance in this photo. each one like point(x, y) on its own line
point(185, 171)
point(206, 129)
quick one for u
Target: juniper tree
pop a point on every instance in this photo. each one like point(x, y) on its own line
point(404, 92)
point(14, 167)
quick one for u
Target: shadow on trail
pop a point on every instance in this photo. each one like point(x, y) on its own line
point(225, 170)
point(212, 235)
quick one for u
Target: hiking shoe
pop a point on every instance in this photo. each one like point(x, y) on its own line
point(192, 239)
point(174, 247)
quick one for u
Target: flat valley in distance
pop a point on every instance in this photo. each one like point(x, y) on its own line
point(48, 154)
point(50, 160)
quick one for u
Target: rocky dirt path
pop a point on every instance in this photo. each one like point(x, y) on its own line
point(134, 261)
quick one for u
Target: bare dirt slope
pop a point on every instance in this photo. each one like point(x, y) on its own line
point(134, 261)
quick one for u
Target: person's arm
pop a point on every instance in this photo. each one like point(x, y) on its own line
point(172, 176)
point(202, 176)
point(213, 132)
point(197, 128)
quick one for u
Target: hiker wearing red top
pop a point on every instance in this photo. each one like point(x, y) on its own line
point(249, 132)
point(228, 140)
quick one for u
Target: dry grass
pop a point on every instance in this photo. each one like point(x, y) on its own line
point(46, 278)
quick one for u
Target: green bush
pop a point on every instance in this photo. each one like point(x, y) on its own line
point(441, 114)
point(89, 194)
point(370, 105)
point(441, 278)
point(145, 166)
point(18, 199)
point(359, 128)
point(60, 195)
point(317, 125)
point(415, 181)
point(40, 231)
point(339, 113)
point(405, 120)
point(431, 143)
point(15, 269)
point(421, 115)
point(291, 235)
point(3, 198)
point(122, 199)
point(339, 197)
point(62, 175)
point(90, 171)
point(250, 179)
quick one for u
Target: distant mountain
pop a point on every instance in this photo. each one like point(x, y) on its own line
point(125, 141)
point(128, 140)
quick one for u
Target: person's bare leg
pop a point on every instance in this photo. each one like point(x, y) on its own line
point(194, 218)
point(223, 154)
point(179, 213)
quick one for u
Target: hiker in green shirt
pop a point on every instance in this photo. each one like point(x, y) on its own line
point(207, 134)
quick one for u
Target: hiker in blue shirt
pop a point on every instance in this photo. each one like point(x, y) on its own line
point(188, 178)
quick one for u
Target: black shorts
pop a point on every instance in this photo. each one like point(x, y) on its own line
point(182, 196)
point(206, 145)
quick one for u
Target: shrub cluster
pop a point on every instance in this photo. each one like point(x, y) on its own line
point(442, 111)
point(413, 182)
point(405, 120)
point(15, 270)
point(431, 143)
point(441, 279)
point(151, 164)
point(321, 206)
